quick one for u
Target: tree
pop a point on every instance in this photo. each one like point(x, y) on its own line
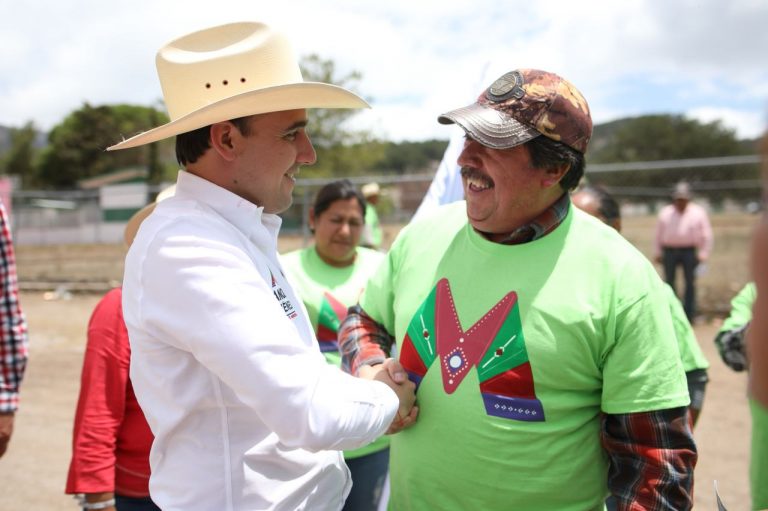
point(341, 151)
point(20, 159)
point(77, 146)
point(661, 137)
point(669, 137)
point(407, 157)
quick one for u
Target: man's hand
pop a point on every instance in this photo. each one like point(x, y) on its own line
point(393, 374)
point(97, 498)
point(6, 429)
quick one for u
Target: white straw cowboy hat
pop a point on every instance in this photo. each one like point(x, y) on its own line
point(233, 71)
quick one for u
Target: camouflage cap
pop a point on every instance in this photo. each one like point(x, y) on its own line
point(523, 104)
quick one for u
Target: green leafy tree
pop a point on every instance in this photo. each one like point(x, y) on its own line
point(408, 157)
point(661, 137)
point(20, 159)
point(341, 151)
point(77, 146)
point(669, 137)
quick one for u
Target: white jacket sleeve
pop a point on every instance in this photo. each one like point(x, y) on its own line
point(207, 298)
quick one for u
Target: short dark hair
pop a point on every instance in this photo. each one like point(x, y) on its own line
point(547, 154)
point(193, 144)
point(342, 189)
point(606, 204)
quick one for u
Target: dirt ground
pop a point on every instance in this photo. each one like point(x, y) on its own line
point(33, 471)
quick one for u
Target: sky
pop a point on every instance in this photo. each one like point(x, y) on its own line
point(705, 59)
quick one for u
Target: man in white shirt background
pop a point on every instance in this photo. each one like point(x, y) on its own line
point(245, 411)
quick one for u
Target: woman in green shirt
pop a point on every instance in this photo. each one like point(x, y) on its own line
point(329, 276)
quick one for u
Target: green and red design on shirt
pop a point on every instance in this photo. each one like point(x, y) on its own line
point(332, 313)
point(494, 345)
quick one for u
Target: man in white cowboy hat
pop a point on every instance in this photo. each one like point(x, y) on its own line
point(245, 411)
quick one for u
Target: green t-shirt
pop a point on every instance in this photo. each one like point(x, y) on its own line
point(327, 292)
point(690, 351)
point(517, 350)
point(758, 470)
point(741, 308)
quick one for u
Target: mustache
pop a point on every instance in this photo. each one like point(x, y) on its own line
point(473, 173)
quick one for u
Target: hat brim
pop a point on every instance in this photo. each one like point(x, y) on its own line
point(490, 127)
point(272, 99)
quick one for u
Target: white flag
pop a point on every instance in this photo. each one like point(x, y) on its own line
point(446, 186)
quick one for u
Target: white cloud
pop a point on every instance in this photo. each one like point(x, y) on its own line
point(418, 58)
point(745, 124)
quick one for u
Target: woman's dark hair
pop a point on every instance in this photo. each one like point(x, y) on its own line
point(193, 144)
point(547, 154)
point(607, 205)
point(337, 190)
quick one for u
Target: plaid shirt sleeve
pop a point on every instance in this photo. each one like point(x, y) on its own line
point(13, 326)
point(652, 456)
point(362, 341)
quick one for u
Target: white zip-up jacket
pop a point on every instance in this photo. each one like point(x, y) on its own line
point(246, 412)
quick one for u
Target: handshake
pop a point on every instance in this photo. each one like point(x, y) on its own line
point(393, 374)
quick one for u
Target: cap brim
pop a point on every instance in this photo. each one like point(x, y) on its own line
point(489, 127)
point(273, 99)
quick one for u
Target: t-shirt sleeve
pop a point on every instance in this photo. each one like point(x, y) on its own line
point(643, 371)
point(741, 308)
point(690, 351)
point(101, 404)
point(758, 469)
point(378, 297)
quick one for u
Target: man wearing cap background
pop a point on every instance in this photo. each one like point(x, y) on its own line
point(539, 339)
point(245, 411)
point(596, 201)
point(683, 238)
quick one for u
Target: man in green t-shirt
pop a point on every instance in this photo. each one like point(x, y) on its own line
point(596, 201)
point(540, 341)
point(757, 347)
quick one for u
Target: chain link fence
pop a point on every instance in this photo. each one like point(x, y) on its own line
point(55, 232)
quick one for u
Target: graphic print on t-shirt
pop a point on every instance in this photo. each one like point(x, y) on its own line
point(285, 302)
point(494, 346)
point(332, 312)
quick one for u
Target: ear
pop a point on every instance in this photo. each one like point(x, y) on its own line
point(553, 175)
point(222, 139)
point(311, 219)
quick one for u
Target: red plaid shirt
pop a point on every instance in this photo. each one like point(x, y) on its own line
point(651, 454)
point(13, 326)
